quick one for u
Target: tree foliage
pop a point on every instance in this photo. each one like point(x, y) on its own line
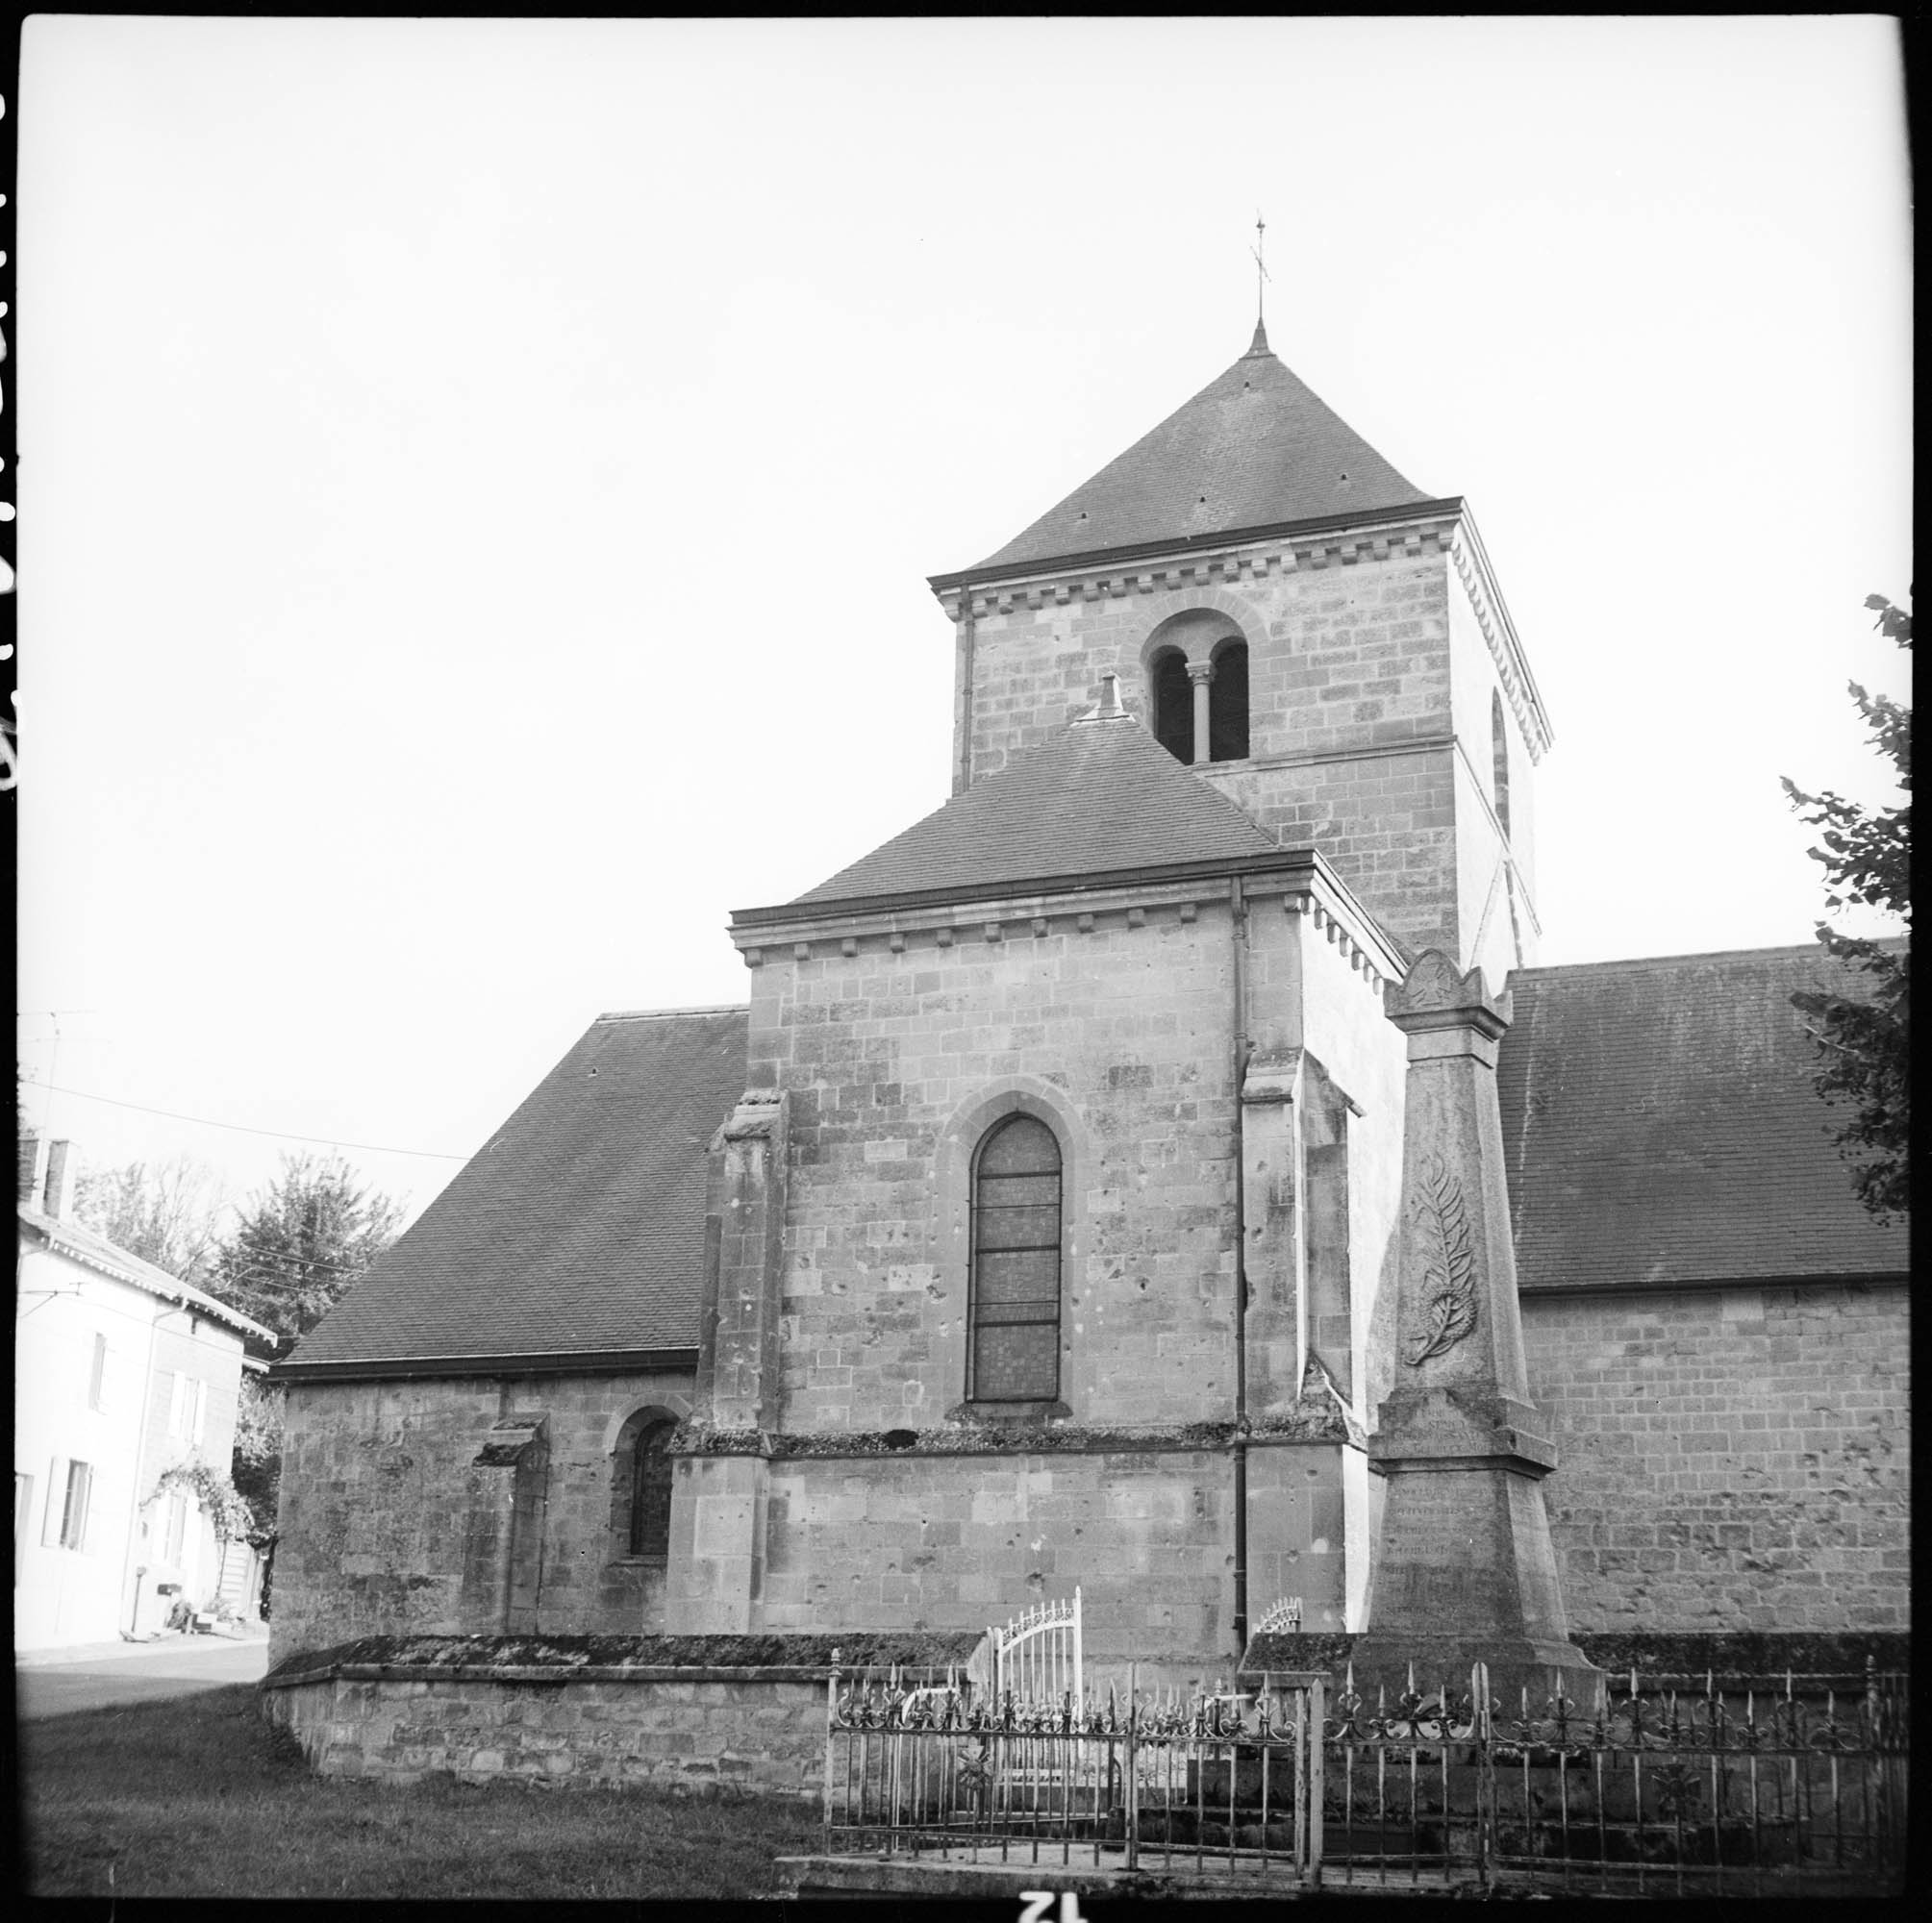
point(167, 1213)
point(303, 1242)
point(1866, 854)
point(256, 1471)
point(221, 1504)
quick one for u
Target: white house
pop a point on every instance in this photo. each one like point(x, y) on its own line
point(121, 1371)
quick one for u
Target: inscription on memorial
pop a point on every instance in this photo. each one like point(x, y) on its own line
point(1440, 1554)
point(1436, 1525)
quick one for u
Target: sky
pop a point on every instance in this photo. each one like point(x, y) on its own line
point(478, 480)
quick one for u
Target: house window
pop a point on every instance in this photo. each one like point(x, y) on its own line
point(1013, 1353)
point(74, 1507)
point(1173, 705)
point(98, 1376)
point(187, 1409)
point(1499, 755)
point(1227, 704)
point(641, 1518)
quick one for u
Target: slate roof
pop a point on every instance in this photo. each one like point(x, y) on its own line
point(80, 1243)
point(1660, 1126)
point(579, 1227)
point(1101, 796)
point(1255, 447)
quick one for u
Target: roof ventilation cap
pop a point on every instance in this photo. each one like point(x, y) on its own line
point(1108, 708)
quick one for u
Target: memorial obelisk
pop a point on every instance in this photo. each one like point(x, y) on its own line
point(1464, 1568)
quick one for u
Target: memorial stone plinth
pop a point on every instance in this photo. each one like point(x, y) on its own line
point(1464, 1568)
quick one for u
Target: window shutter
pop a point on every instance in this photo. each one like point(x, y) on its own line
point(23, 1517)
point(176, 1398)
point(97, 1380)
point(80, 1494)
point(200, 1390)
point(56, 1487)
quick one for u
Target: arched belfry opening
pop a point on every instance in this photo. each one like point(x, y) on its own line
point(1227, 702)
point(1197, 687)
point(1173, 703)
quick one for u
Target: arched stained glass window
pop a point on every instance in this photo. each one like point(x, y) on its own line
point(650, 1466)
point(1015, 1353)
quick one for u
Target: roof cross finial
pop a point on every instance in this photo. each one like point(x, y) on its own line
point(1259, 344)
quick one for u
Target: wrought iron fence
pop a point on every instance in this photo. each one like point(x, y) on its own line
point(1690, 1786)
point(1678, 1786)
point(1214, 1784)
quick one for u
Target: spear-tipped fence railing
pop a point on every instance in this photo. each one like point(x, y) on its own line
point(1214, 1784)
point(1673, 1784)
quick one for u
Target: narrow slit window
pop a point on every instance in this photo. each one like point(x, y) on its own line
point(1499, 751)
point(1015, 1353)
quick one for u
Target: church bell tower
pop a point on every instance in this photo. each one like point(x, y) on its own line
point(1290, 616)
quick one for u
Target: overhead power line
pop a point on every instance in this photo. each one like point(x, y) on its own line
point(302, 1262)
point(240, 1128)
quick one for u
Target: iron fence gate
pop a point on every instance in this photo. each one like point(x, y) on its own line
point(1679, 1785)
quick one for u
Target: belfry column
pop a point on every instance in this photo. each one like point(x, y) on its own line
point(1201, 673)
point(1464, 1567)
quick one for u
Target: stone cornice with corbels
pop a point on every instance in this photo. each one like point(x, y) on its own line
point(1242, 558)
point(1302, 883)
point(1471, 562)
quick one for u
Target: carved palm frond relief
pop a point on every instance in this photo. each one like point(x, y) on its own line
point(1448, 1291)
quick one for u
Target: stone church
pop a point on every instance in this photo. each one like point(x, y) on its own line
point(1034, 1222)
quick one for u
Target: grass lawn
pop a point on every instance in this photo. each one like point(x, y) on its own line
point(197, 1796)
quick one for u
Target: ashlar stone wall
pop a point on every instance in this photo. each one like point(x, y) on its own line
point(389, 1525)
point(1729, 1459)
point(952, 1542)
point(1110, 1015)
point(1116, 1027)
point(1371, 670)
point(742, 1730)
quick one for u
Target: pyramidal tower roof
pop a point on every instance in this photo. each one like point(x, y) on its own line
point(1254, 448)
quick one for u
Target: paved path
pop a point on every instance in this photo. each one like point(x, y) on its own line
point(53, 1683)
